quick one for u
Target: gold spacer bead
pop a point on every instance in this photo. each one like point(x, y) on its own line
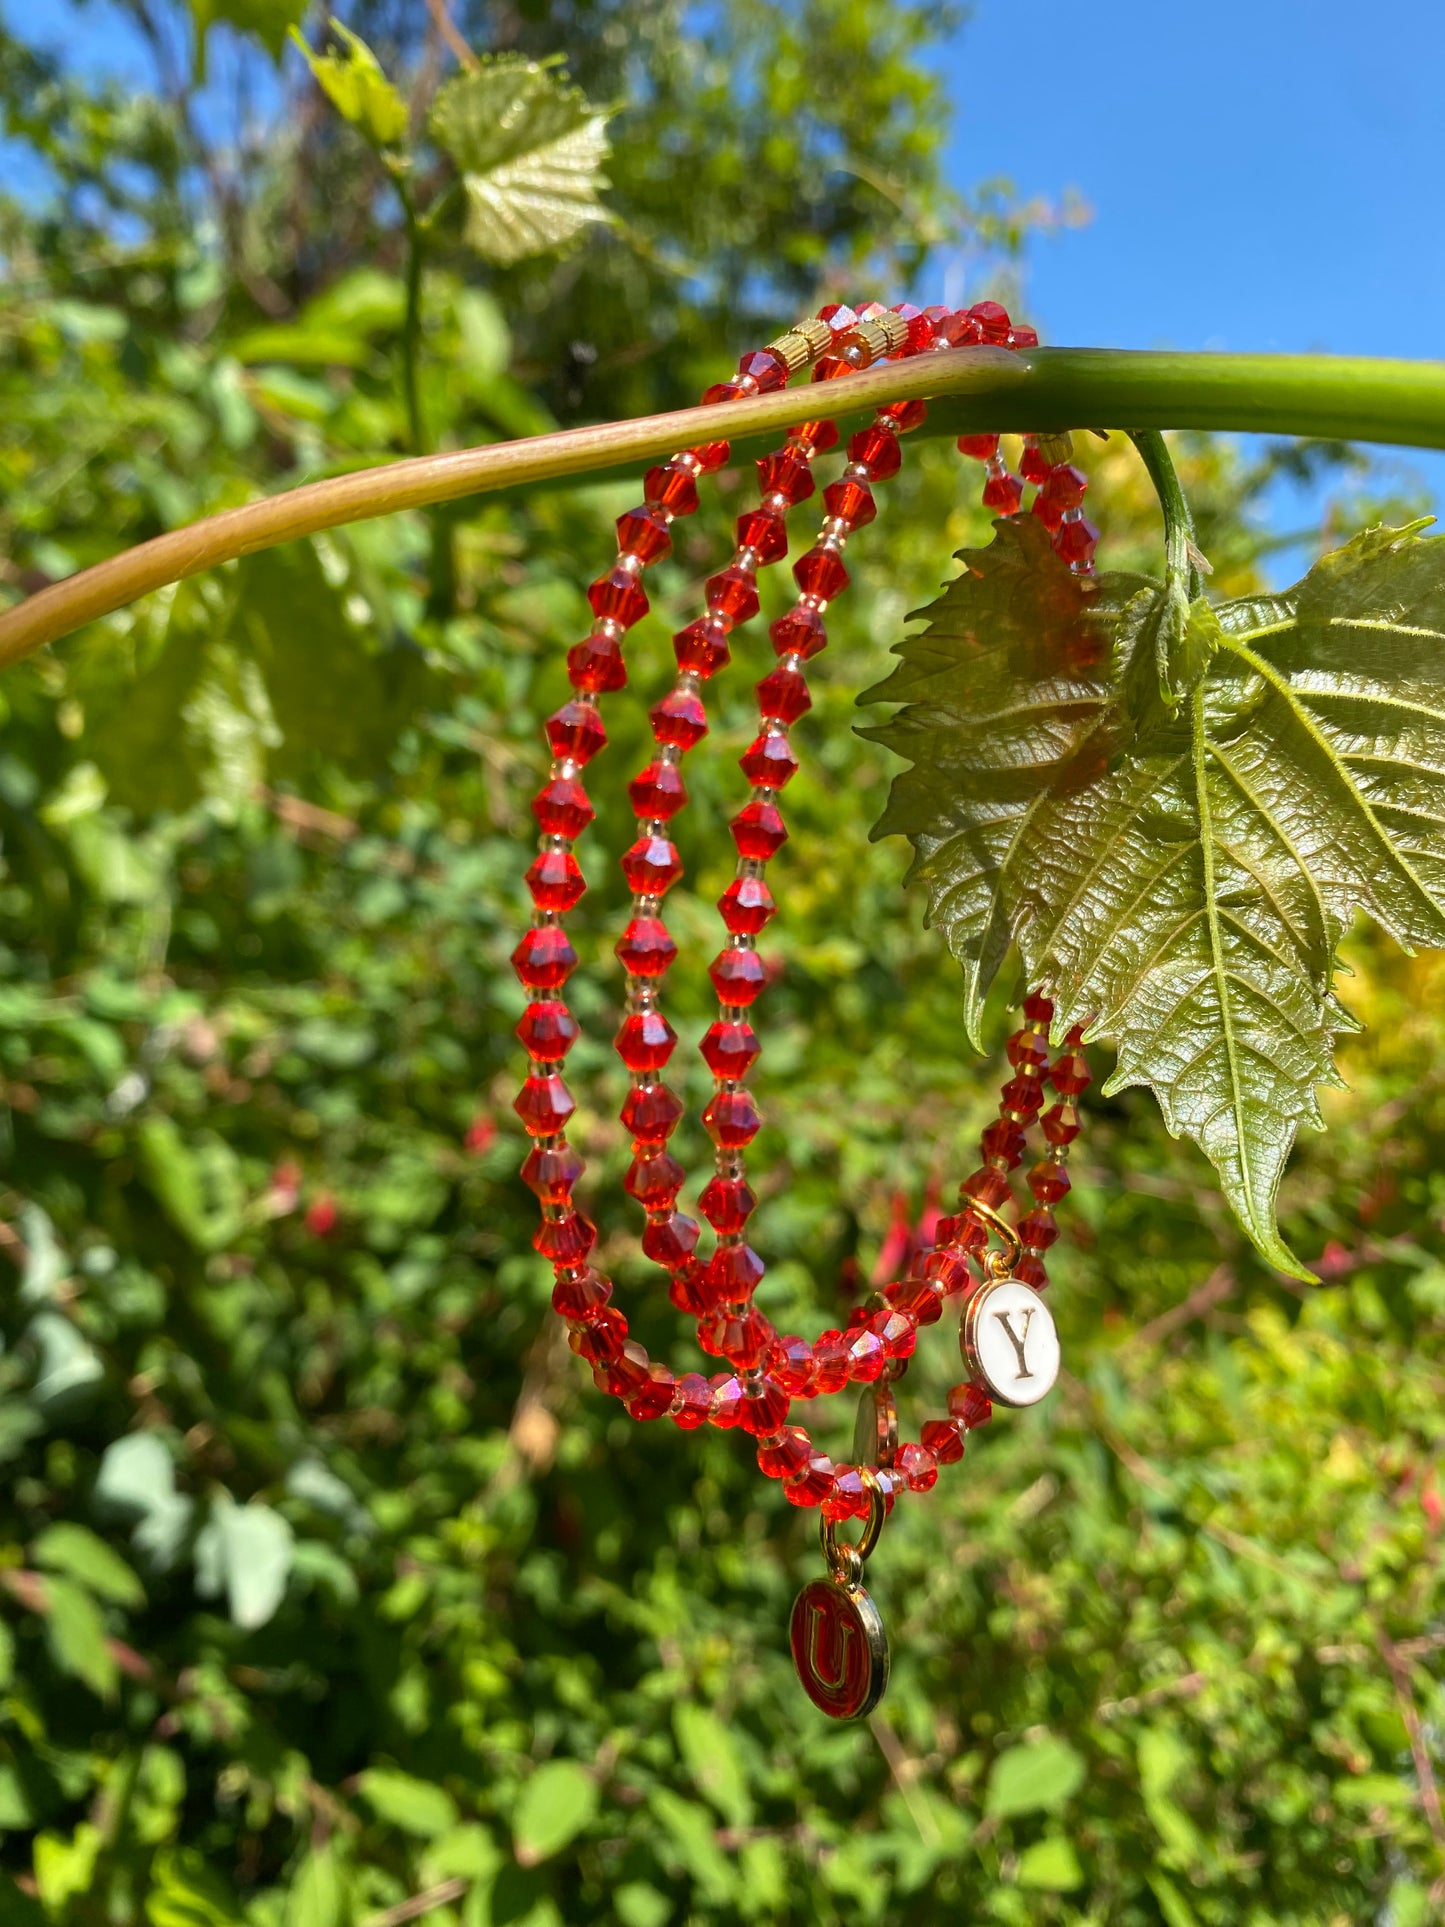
point(817, 334)
point(869, 335)
point(896, 329)
point(792, 350)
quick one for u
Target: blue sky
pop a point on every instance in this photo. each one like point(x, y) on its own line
point(1263, 176)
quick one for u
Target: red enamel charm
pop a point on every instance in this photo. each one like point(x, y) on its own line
point(839, 1648)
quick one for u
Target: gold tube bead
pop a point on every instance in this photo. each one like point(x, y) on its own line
point(792, 350)
point(896, 329)
point(817, 334)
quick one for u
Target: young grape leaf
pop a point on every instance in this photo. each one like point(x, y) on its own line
point(354, 83)
point(1179, 878)
point(529, 149)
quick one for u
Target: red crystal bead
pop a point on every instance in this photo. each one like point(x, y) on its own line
point(581, 1295)
point(944, 1439)
point(918, 1466)
point(1030, 1271)
point(1004, 1141)
point(645, 948)
point(1049, 1182)
point(764, 532)
point(575, 730)
point(727, 1203)
point(905, 415)
point(671, 1240)
point(921, 1298)
point(733, 592)
point(1070, 1074)
point(1033, 466)
point(619, 596)
point(947, 1269)
point(731, 1119)
point(786, 1455)
point(791, 1363)
point(654, 1181)
point(1062, 1124)
point(565, 1241)
point(896, 1331)
point(866, 1356)
point(1037, 1228)
point(992, 320)
point(692, 1401)
point(741, 1337)
point(545, 959)
point(734, 1273)
point(671, 486)
point(643, 532)
point(853, 501)
point(839, 316)
point(604, 1337)
point(658, 792)
point(1038, 1008)
point(971, 1404)
point(710, 456)
point(1024, 1094)
point(626, 1374)
point(922, 326)
point(726, 391)
point(746, 905)
point(702, 647)
point(687, 1288)
point(645, 1041)
point(650, 1113)
point(595, 665)
point(729, 1048)
point(547, 1031)
point(653, 1399)
point(552, 1174)
point(819, 436)
point(1064, 487)
point(555, 879)
point(1003, 493)
point(759, 831)
point(786, 473)
point(878, 451)
point(990, 1187)
point(764, 1408)
point(1023, 337)
point(849, 1498)
point(651, 866)
point(1028, 1048)
point(821, 573)
point(679, 719)
point(983, 448)
point(562, 807)
point(1074, 1036)
point(765, 368)
point(800, 632)
point(830, 1362)
point(727, 1400)
point(1049, 513)
point(737, 977)
point(1076, 541)
point(544, 1105)
point(813, 1486)
point(769, 761)
point(783, 695)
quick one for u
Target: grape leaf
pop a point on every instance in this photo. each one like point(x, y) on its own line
point(354, 83)
point(1179, 879)
point(529, 148)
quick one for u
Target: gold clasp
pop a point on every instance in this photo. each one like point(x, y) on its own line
point(845, 1561)
point(998, 1264)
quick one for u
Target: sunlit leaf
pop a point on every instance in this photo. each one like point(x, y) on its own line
point(353, 82)
point(529, 149)
point(1038, 1777)
point(69, 1548)
point(553, 1807)
point(401, 1800)
point(268, 20)
point(1180, 879)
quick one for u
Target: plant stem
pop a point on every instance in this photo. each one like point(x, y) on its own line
point(411, 327)
point(977, 390)
point(1178, 518)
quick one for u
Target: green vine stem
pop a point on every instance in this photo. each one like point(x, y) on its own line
point(978, 389)
point(1179, 550)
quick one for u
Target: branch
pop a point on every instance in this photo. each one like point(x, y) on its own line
point(982, 389)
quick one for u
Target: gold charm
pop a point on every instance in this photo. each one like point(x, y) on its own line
point(839, 1646)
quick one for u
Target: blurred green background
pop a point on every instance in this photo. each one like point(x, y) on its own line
point(331, 1594)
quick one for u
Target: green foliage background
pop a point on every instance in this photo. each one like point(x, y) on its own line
point(325, 1584)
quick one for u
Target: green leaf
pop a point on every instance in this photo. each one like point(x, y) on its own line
point(1180, 881)
point(75, 1632)
point(1050, 1865)
point(269, 20)
point(186, 1893)
point(320, 1894)
point(416, 1806)
point(74, 1550)
point(245, 1551)
point(529, 149)
point(353, 82)
point(692, 1833)
point(137, 1482)
point(1175, 1908)
point(66, 1868)
point(710, 1755)
point(196, 1180)
point(1038, 1777)
point(552, 1808)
